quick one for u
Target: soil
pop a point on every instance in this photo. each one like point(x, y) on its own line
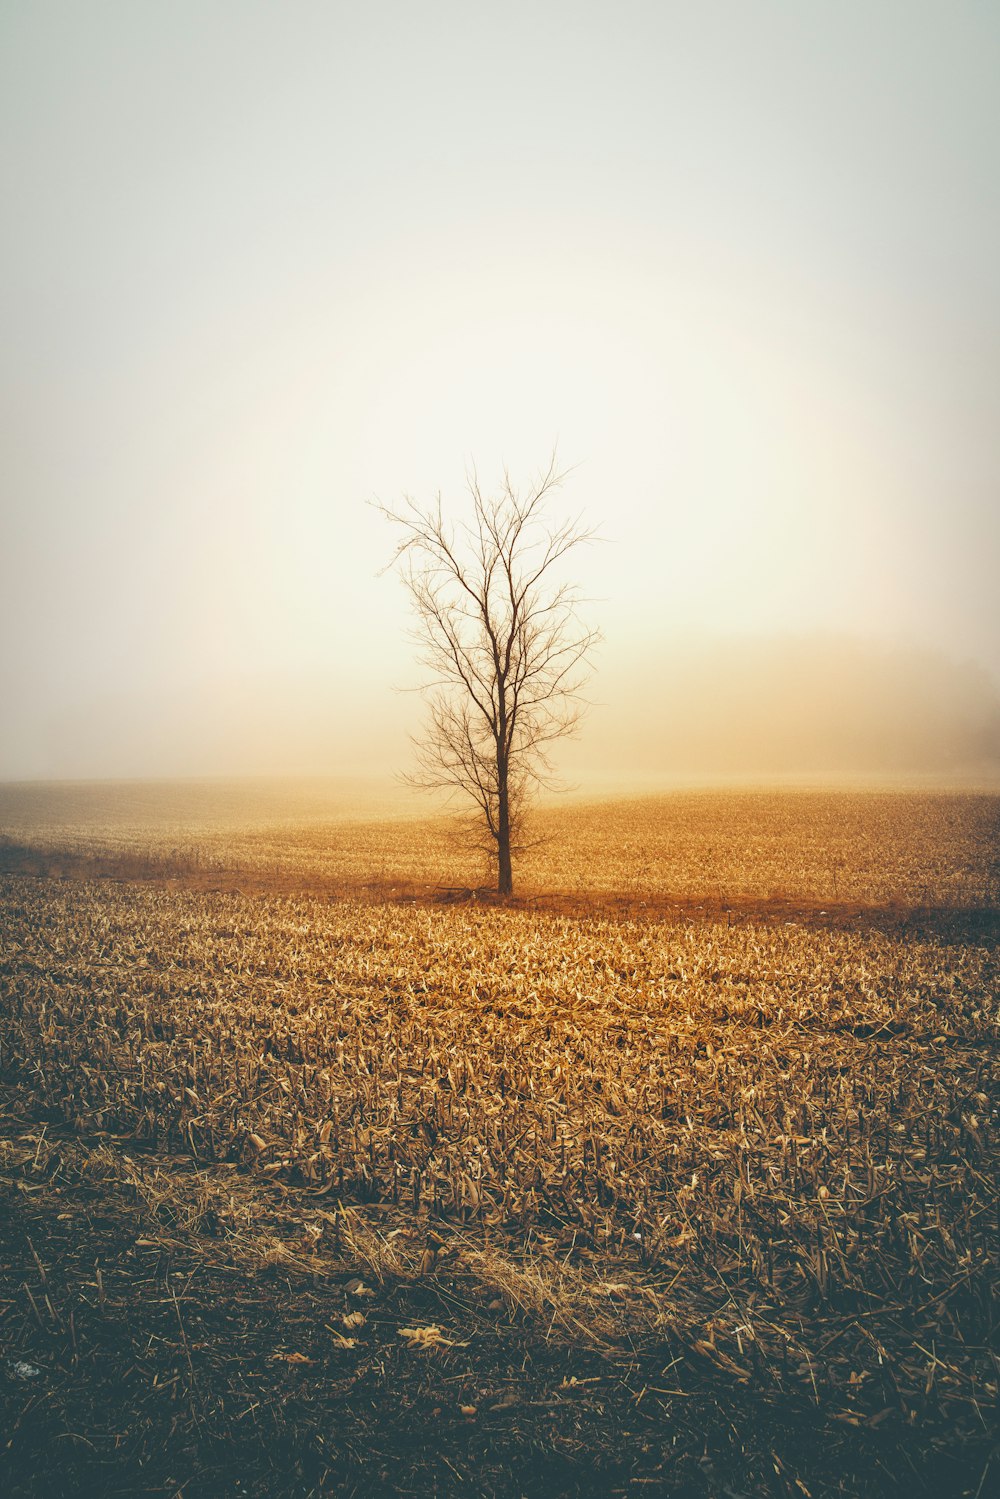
point(950, 923)
point(137, 1358)
point(142, 1357)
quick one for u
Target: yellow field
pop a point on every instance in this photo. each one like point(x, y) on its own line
point(773, 1136)
point(874, 848)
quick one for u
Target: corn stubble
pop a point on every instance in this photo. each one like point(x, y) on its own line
point(771, 1144)
point(869, 848)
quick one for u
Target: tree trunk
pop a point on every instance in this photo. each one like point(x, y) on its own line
point(505, 875)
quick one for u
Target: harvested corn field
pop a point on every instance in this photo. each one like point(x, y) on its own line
point(699, 1135)
point(819, 849)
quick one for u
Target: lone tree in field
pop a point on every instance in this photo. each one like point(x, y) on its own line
point(507, 653)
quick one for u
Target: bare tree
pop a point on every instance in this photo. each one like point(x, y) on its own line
point(504, 645)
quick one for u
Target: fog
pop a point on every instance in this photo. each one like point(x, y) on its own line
point(264, 264)
point(821, 707)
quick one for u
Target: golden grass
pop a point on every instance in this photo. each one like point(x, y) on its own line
point(874, 848)
point(776, 1142)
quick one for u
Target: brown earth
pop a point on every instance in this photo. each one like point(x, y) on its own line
point(955, 923)
point(146, 1357)
point(145, 1351)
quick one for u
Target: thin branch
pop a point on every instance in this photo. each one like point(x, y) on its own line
point(499, 634)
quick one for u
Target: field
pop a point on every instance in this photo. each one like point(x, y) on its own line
point(327, 1174)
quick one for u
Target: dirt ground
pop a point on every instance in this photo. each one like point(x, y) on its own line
point(142, 1359)
point(144, 1351)
point(958, 923)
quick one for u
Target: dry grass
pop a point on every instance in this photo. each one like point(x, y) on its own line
point(773, 1144)
point(766, 1144)
point(873, 848)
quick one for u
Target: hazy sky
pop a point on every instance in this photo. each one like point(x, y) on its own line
point(261, 263)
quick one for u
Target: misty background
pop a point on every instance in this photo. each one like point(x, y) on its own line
point(263, 263)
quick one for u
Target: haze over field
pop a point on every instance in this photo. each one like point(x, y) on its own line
point(262, 264)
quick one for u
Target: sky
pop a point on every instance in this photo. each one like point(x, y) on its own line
point(264, 263)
